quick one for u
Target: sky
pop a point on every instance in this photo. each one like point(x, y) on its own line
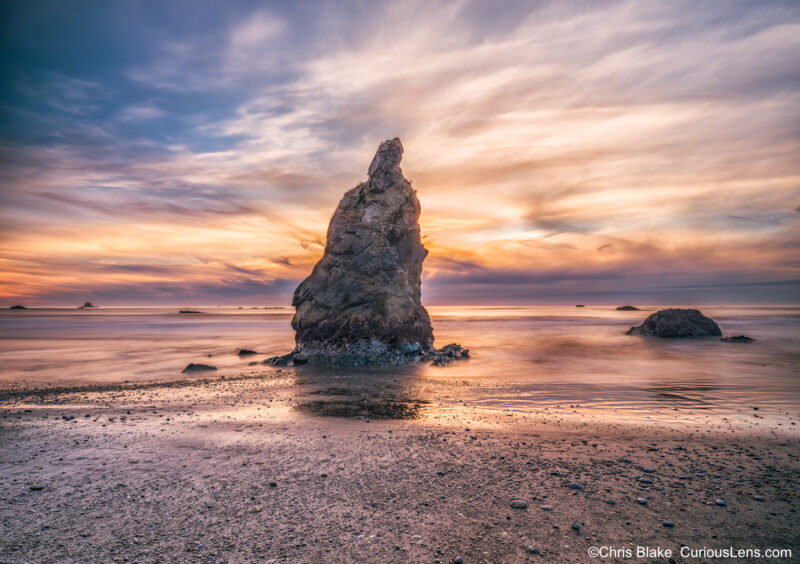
point(184, 152)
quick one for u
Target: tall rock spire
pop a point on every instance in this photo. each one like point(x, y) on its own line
point(361, 303)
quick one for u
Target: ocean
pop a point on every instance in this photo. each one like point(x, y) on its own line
point(522, 358)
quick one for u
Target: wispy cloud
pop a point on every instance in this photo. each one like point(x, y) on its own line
point(555, 146)
point(139, 112)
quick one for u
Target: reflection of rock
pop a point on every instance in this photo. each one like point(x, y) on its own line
point(677, 323)
point(628, 308)
point(580, 305)
point(18, 307)
point(361, 303)
point(198, 367)
point(377, 393)
point(189, 311)
point(738, 339)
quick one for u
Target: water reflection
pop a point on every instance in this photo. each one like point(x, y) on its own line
point(371, 393)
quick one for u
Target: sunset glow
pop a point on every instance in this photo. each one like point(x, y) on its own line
point(562, 152)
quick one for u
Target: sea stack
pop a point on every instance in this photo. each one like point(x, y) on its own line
point(361, 304)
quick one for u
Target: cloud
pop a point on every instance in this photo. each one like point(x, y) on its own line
point(246, 52)
point(554, 145)
point(139, 112)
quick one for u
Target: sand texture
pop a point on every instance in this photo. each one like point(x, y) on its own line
point(248, 470)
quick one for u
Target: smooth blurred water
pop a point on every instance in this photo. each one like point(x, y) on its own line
point(521, 356)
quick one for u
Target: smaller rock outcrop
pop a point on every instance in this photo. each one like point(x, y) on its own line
point(628, 308)
point(447, 354)
point(192, 367)
point(87, 305)
point(244, 352)
point(676, 323)
point(189, 311)
point(737, 339)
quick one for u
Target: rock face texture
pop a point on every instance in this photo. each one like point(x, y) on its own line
point(361, 303)
point(677, 323)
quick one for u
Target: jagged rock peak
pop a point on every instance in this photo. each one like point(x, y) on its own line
point(384, 171)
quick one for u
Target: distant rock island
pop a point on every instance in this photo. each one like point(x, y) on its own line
point(628, 308)
point(677, 323)
point(361, 304)
point(87, 305)
point(18, 307)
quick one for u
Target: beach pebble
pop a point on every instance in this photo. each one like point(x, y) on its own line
point(518, 504)
point(576, 526)
point(611, 502)
point(440, 473)
point(196, 367)
point(532, 550)
point(720, 502)
point(273, 484)
point(416, 538)
point(36, 487)
point(577, 486)
point(458, 560)
point(641, 501)
point(668, 523)
point(547, 508)
point(645, 481)
point(759, 498)
point(648, 470)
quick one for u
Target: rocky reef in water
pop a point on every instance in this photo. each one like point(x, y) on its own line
point(676, 323)
point(361, 304)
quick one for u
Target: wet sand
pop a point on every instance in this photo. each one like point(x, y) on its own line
point(254, 469)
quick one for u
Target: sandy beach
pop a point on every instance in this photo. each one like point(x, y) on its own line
point(250, 469)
